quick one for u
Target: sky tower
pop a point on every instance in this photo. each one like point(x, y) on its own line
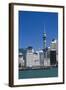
point(44, 39)
point(44, 47)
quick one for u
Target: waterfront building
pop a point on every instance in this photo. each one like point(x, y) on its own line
point(48, 52)
point(53, 44)
point(30, 49)
point(48, 56)
point(57, 51)
point(36, 61)
point(21, 60)
point(32, 58)
point(53, 52)
point(29, 57)
point(41, 58)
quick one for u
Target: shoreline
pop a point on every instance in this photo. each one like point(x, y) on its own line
point(37, 68)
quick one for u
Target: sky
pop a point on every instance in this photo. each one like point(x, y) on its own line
point(33, 24)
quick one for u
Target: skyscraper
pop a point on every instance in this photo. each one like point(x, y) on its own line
point(53, 52)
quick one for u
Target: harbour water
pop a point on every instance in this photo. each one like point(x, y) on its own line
point(38, 73)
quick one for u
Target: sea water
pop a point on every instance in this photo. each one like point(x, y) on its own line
point(38, 73)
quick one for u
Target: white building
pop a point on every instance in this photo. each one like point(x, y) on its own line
point(29, 57)
point(41, 57)
point(48, 56)
point(47, 59)
point(36, 61)
point(21, 60)
point(32, 58)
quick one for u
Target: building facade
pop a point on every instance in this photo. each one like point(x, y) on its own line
point(32, 58)
point(53, 52)
point(21, 60)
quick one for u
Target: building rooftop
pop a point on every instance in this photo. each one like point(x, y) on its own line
point(35, 53)
point(30, 48)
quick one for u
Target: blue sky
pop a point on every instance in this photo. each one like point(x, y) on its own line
point(31, 28)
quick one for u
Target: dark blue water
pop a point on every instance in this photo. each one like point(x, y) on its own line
point(39, 73)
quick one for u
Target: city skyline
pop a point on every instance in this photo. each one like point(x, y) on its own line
point(33, 24)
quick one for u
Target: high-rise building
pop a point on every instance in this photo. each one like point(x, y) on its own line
point(48, 56)
point(30, 49)
point(53, 44)
point(36, 61)
point(32, 58)
point(41, 58)
point(53, 52)
point(21, 60)
point(29, 57)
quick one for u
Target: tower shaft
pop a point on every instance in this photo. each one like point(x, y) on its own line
point(44, 48)
point(44, 40)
